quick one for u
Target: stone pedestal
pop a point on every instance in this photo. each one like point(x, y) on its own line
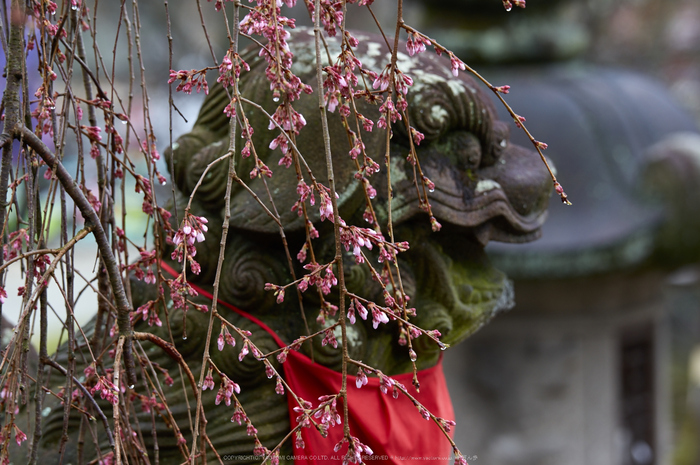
point(568, 379)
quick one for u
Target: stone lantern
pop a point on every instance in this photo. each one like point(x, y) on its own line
point(579, 370)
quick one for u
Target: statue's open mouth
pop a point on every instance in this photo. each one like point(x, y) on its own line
point(456, 288)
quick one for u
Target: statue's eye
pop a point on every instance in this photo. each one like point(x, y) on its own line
point(499, 143)
point(462, 148)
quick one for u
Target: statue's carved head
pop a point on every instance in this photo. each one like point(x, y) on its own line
point(485, 188)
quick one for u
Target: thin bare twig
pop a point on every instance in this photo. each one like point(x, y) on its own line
point(103, 244)
point(88, 396)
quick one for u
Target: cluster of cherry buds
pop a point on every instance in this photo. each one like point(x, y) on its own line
point(190, 79)
point(303, 410)
point(247, 348)
point(456, 64)
point(329, 338)
point(148, 403)
point(356, 305)
point(191, 231)
point(219, 4)
point(226, 390)
point(459, 457)
point(91, 198)
point(378, 315)
point(6, 434)
point(225, 338)
point(320, 276)
point(355, 450)
point(446, 424)
point(353, 237)
point(180, 289)
point(107, 389)
point(387, 384)
point(13, 247)
point(145, 262)
point(148, 313)
point(560, 190)
point(416, 43)
point(328, 415)
point(43, 111)
point(361, 378)
point(295, 345)
point(230, 68)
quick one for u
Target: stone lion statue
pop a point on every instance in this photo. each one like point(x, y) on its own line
point(485, 189)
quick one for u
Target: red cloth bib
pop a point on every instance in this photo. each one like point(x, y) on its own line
point(392, 428)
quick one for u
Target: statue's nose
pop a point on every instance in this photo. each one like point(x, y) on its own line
point(524, 178)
